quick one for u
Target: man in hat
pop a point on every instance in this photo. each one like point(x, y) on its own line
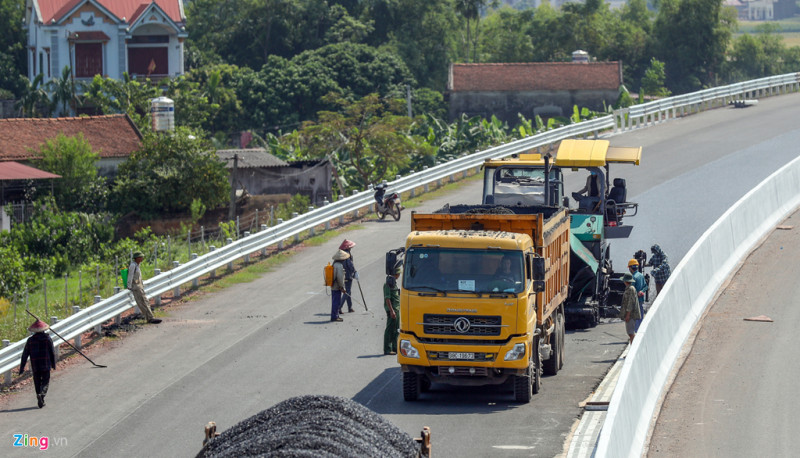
point(43, 358)
point(137, 288)
point(641, 286)
point(629, 311)
point(391, 299)
point(349, 274)
point(660, 264)
point(337, 288)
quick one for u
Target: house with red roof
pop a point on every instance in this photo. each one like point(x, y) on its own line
point(546, 89)
point(105, 37)
point(113, 137)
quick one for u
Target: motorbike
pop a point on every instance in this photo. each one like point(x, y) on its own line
point(387, 204)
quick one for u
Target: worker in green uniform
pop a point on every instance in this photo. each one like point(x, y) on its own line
point(391, 302)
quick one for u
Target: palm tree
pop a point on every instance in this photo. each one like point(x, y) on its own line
point(33, 98)
point(64, 91)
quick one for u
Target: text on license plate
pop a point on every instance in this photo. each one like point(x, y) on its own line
point(461, 355)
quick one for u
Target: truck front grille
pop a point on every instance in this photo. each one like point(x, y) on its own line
point(459, 325)
point(462, 371)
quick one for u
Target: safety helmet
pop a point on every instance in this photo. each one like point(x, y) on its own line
point(633, 262)
point(347, 244)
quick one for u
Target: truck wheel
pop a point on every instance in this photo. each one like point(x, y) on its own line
point(411, 386)
point(424, 384)
point(552, 365)
point(594, 318)
point(523, 388)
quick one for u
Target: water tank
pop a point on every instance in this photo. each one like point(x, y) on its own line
point(162, 112)
point(580, 56)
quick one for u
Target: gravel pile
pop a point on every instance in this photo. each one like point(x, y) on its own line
point(313, 426)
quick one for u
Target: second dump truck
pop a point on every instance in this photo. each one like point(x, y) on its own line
point(482, 297)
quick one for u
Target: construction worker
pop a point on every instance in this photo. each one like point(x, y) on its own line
point(641, 286)
point(137, 288)
point(391, 299)
point(629, 312)
point(43, 358)
point(660, 264)
point(350, 274)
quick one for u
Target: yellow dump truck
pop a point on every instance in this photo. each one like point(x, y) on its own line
point(482, 297)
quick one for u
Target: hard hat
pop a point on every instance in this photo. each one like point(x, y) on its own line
point(633, 262)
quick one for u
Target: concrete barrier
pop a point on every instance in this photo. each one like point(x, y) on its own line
point(691, 288)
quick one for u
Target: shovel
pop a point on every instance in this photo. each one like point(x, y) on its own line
point(65, 340)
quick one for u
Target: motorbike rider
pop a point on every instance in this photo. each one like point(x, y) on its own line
point(380, 191)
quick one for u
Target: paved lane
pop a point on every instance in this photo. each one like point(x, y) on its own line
point(228, 355)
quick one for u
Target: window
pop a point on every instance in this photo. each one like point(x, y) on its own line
point(148, 61)
point(88, 59)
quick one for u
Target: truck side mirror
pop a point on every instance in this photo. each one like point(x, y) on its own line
point(538, 269)
point(565, 202)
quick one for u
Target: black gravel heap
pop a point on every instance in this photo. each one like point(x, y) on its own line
point(313, 426)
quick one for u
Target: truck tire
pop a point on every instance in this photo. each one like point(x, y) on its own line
point(525, 386)
point(411, 386)
point(553, 364)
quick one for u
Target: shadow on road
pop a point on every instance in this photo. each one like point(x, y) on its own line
point(384, 395)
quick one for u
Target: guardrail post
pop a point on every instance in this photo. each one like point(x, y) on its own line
point(213, 273)
point(156, 273)
point(196, 281)
point(118, 318)
point(296, 236)
point(98, 328)
point(426, 188)
point(7, 375)
point(247, 255)
point(311, 231)
point(355, 212)
point(264, 250)
point(177, 291)
point(230, 264)
point(280, 243)
point(57, 348)
point(77, 339)
point(327, 223)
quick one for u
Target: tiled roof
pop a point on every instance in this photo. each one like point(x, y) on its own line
point(250, 158)
point(54, 9)
point(110, 136)
point(11, 170)
point(536, 76)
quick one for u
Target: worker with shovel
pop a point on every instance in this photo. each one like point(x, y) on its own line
point(43, 358)
point(350, 274)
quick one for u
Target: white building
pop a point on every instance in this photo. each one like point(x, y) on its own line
point(105, 37)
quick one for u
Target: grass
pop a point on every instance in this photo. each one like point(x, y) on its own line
point(91, 284)
point(789, 29)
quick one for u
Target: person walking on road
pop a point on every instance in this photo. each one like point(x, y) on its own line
point(350, 274)
point(660, 264)
point(629, 312)
point(39, 348)
point(641, 286)
point(338, 286)
point(137, 288)
point(391, 302)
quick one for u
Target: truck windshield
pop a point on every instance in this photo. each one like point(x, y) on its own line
point(463, 270)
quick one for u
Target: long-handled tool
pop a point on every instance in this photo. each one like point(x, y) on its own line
point(344, 293)
point(362, 294)
point(65, 340)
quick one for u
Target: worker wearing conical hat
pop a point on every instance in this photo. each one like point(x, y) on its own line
point(39, 348)
point(137, 288)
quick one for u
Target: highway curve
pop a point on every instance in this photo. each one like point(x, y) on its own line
point(228, 355)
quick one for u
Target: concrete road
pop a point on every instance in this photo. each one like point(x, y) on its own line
point(734, 395)
point(231, 354)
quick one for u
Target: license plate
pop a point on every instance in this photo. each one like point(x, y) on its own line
point(460, 355)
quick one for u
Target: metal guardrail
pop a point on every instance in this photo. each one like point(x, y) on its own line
point(637, 116)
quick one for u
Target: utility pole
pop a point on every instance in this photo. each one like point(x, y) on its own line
point(232, 209)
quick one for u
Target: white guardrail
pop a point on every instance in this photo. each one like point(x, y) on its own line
point(637, 116)
point(690, 289)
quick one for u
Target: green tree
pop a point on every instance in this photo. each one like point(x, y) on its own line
point(368, 140)
point(79, 188)
point(34, 101)
point(64, 92)
point(756, 56)
point(13, 65)
point(110, 96)
point(506, 37)
point(168, 173)
point(653, 80)
point(691, 38)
